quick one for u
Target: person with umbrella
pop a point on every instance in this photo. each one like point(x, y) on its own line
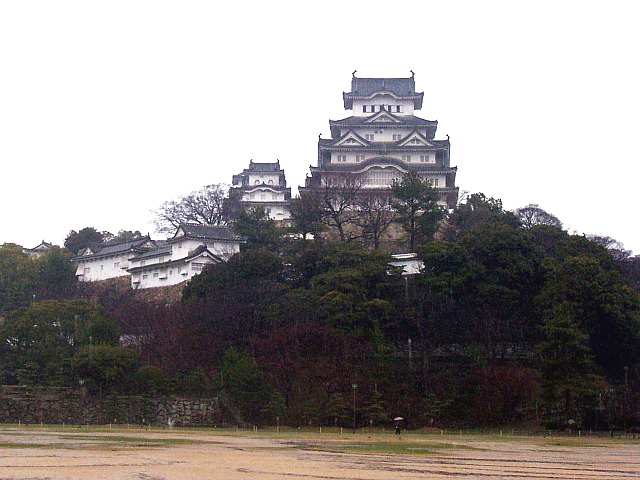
point(398, 420)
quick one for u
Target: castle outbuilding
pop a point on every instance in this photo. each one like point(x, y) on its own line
point(263, 185)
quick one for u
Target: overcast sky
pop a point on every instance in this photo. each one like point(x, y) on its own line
point(108, 109)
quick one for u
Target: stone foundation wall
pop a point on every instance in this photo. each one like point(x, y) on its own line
point(29, 405)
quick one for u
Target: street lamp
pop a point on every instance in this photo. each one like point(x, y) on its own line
point(354, 386)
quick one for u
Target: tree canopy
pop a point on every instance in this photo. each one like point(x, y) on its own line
point(208, 206)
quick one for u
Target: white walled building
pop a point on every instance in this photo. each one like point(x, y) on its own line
point(264, 185)
point(383, 140)
point(152, 263)
point(109, 259)
point(183, 256)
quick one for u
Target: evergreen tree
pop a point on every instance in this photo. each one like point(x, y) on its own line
point(570, 383)
point(415, 200)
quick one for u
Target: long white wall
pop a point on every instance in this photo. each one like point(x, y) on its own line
point(102, 268)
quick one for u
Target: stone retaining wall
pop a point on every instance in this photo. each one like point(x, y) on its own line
point(57, 406)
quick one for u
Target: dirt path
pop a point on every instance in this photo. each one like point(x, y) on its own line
point(56, 455)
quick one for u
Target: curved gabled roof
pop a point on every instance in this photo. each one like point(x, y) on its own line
point(116, 247)
point(367, 87)
point(402, 121)
point(205, 232)
point(384, 161)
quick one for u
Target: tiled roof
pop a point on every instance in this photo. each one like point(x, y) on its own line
point(170, 263)
point(367, 86)
point(156, 252)
point(410, 120)
point(207, 232)
point(264, 167)
point(407, 121)
point(110, 249)
point(417, 167)
point(115, 247)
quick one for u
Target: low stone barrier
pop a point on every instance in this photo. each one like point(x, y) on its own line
point(29, 405)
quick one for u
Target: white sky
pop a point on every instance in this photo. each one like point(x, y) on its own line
point(108, 109)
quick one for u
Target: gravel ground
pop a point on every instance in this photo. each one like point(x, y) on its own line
point(33, 454)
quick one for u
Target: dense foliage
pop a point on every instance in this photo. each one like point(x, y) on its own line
point(508, 322)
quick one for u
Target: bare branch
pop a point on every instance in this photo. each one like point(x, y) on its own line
point(207, 206)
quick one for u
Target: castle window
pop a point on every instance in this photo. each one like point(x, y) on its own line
point(398, 108)
point(364, 108)
point(359, 158)
point(270, 182)
point(257, 182)
point(415, 140)
point(406, 158)
point(369, 136)
point(342, 158)
point(397, 136)
point(427, 159)
point(197, 267)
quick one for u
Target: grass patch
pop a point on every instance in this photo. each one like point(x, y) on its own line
point(395, 448)
point(126, 439)
point(9, 445)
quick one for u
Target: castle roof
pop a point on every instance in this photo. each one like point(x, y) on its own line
point(201, 250)
point(367, 87)
point(263, 167)
point(205, 232)
point(384, 161)
point(401, 121)
point(115, 247)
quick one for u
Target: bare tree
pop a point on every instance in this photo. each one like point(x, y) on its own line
point(375, 216)
point(339, 203)
point(614, 247)
point(208, 206)
point(532, 215)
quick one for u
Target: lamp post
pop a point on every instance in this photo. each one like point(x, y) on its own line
point(354, 386)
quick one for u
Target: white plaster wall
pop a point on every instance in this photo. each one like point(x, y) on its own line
point(269, 196)
point(279, 213)
point(264, 177)
point(103, 268)
point(442, 179)
point(222, 249)
point(407, 105)
point(163, 276)
point(383, 134)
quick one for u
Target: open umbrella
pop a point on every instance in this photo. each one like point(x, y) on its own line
point(398, 419)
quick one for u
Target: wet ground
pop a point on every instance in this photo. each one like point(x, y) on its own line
point(36, 454)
